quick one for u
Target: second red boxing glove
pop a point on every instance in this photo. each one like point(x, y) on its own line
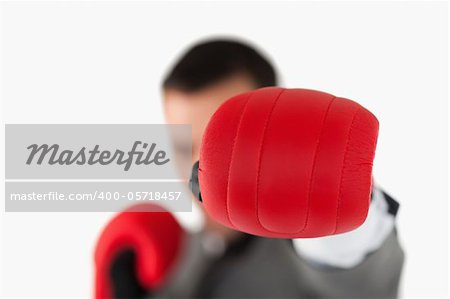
point(136, 253)
point(288, 163)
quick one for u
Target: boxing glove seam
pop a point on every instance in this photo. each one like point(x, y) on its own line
point(311, 180)
point(260, 153)
point(227, 203)
point(312, 171)
point(343, 168)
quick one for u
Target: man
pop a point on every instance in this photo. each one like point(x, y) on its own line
point(366, 262)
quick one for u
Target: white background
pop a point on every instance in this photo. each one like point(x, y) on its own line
point(103, 62)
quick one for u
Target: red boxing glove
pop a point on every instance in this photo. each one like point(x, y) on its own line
point(288, 163)
point(136, 252)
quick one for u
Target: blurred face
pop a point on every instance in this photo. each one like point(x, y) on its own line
point(196, 108)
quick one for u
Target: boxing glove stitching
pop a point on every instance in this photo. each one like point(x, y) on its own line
point(244, 109)
point(312, 170)
point(261, 148)
point(343, 168)
point(311, 180)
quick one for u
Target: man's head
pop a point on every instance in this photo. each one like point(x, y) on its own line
point(208, 74)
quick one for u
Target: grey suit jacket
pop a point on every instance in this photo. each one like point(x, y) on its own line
point(256, 267)
point(271, 268)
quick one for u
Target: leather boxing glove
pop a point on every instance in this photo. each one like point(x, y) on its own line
point(288, 163)
point(136, 253)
